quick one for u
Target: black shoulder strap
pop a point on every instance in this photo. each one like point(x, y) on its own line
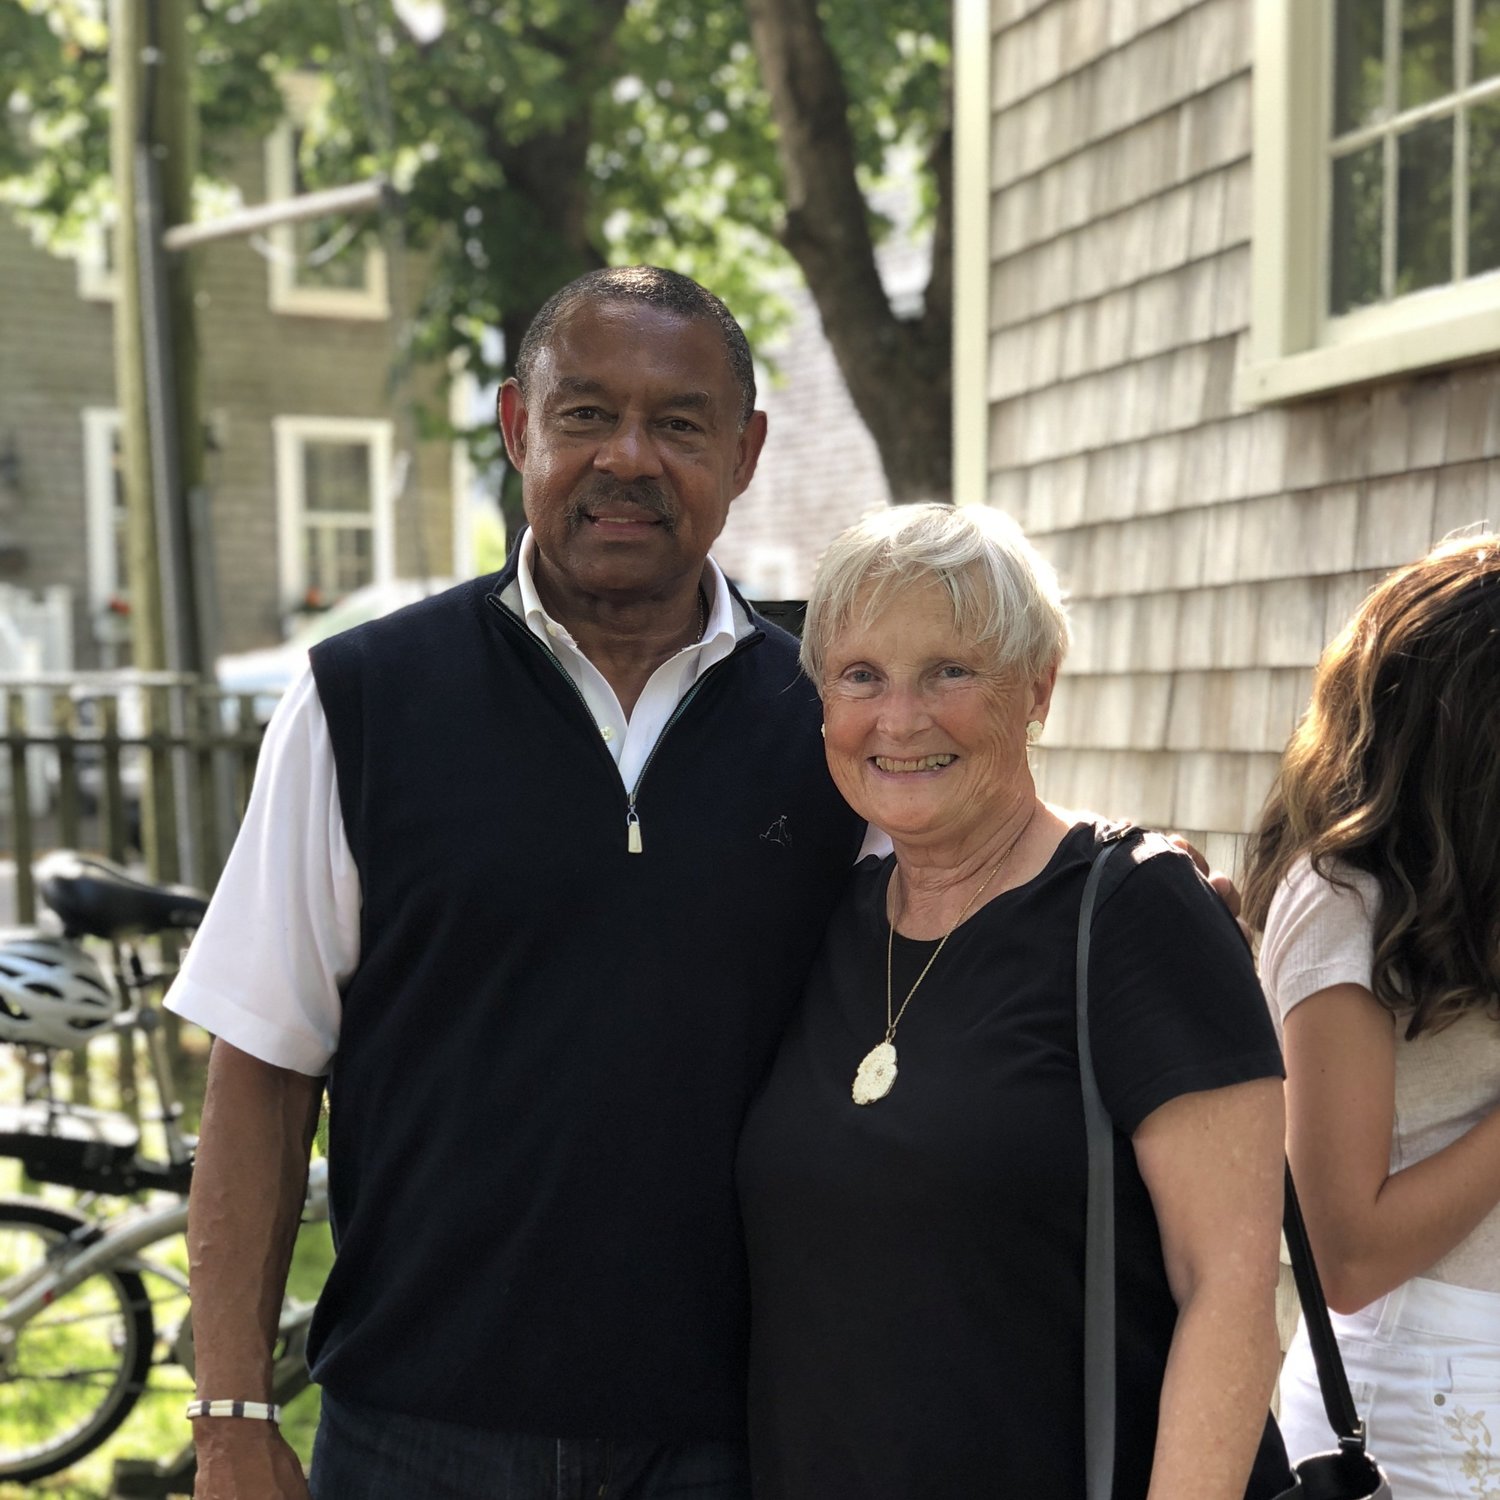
point(1115, 843)
point(1338, 1400)
point(1121, 848)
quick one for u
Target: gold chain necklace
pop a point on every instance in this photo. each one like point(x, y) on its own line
point(876, 1075)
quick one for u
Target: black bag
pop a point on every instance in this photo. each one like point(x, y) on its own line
point(1348, 1472)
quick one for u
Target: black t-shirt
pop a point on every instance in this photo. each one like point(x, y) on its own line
point(917, 1263)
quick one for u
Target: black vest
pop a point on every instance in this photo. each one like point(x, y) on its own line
point(549, 1042)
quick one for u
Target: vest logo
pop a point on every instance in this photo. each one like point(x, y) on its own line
point(779, 833)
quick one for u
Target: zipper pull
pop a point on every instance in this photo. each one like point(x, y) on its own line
point(633, 830)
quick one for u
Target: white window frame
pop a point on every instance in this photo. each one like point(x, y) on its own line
point(291, 435)
point(370, 302)
point(1296, 348)
point(463, 400)
point(973, 202)
point(101, 425)
point(97, 281)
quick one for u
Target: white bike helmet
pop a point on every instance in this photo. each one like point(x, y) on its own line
point(52, 993)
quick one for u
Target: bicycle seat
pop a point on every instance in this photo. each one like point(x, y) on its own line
point(98, 897)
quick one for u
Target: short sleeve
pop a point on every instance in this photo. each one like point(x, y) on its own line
point(1174, 1003)
point(281, 936)
point(1318, 934)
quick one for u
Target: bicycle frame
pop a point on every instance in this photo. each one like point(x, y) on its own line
point(116, 1245)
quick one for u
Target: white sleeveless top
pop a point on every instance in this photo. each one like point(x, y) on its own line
point(1319, 935)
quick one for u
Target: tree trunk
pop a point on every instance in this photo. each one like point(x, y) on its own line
point(546, 199)
point(898, 370)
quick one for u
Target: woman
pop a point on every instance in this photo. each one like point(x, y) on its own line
point(1375, 873)
point(912, 1175)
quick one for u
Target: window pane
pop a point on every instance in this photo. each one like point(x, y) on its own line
point(1424, 206)
point(1358, 189)
point(1486, 38)
point(338, 559)
point(119, 515)
point(343, 270)
point(355, 565)
point(1426, 50)
point(1359, 63)
point(336, 476)
point(312, 240)
point(1484, 188)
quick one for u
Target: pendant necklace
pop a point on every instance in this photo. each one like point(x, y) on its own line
point(877, 1071)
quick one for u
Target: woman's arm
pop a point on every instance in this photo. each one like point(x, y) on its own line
point(1371, 1228)
point(1212, 1162)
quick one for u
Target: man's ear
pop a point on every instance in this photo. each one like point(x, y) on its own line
point(510, 411)
point(747, 454)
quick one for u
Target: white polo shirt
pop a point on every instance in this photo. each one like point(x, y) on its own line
point(281, 937)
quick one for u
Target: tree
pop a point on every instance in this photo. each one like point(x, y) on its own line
point(898, 369)
point(534, 139)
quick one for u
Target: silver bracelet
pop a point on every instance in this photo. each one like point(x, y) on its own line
point(263, 1410)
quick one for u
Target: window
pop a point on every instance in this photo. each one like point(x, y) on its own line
point(1377, 160)
point(98, 269)
point(319, 267)
point(105, 525)
point(334, 507)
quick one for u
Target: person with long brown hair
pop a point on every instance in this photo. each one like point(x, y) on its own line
point(1374, 875)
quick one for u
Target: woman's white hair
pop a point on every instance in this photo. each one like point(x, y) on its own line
point(1005, 594)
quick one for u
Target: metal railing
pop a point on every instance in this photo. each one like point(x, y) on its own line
point(153, 766)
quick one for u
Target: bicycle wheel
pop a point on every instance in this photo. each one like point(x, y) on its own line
point(73, 1372)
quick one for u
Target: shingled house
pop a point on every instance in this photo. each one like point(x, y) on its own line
point(317, 483)
point(1239, 352)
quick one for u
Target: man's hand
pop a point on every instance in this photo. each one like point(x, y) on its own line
point(240, 1458)
point(1224, 888)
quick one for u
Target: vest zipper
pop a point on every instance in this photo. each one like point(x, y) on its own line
point(633, 843)
point(632, 816)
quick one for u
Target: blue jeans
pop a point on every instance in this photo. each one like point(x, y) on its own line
point(364, 1454)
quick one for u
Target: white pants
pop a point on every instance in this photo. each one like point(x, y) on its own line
point(1424, 1367)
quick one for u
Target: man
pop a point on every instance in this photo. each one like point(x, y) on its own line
point(533, 871)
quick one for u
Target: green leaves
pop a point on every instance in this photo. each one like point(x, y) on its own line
point(531, 139)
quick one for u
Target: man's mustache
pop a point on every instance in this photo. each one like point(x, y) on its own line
point(645, 494)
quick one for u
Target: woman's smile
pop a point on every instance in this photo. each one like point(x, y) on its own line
point(892, 766)
point(925, 736)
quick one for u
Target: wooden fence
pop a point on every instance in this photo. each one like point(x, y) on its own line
point(148, 765)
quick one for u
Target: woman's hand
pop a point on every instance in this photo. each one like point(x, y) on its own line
point(1212, 1162)
point(1372, 1229)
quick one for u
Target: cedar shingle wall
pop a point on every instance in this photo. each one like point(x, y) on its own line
point(1211, 549)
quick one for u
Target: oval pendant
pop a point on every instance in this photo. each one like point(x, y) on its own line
point(877, 1072)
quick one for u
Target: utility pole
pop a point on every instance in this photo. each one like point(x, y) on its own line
point(147, 635)
point(173, 130)
point(153, 149)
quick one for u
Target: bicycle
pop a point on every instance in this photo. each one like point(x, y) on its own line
point(79, 1337)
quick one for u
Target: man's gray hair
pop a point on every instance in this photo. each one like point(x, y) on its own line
point(1005, 594)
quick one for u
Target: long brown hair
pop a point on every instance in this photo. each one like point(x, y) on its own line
point(1395, 769)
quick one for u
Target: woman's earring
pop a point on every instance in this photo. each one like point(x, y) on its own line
point(823, 730)
point(1033, 731)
